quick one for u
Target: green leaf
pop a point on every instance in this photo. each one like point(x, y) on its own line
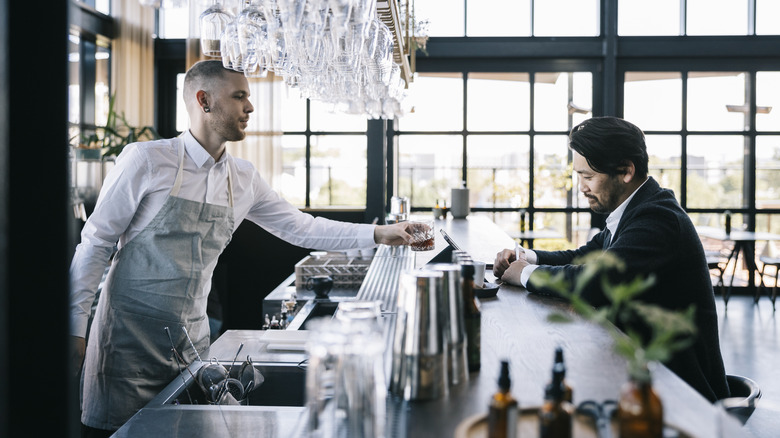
point(559, 318)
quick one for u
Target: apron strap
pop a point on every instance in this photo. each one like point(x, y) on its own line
point(230, 182)
point(180, 171)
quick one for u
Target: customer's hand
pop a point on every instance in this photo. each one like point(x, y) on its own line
point(78, 348)
point(395, 234)
point(515, 270)
point(503, 259)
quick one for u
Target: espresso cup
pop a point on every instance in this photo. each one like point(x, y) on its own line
point(320, 284)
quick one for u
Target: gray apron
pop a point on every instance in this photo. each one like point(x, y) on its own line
point(159, 279)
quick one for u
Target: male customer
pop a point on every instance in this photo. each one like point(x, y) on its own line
point(648, 230)
point(172, 205)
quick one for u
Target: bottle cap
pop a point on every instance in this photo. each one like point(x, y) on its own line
point(504, 381)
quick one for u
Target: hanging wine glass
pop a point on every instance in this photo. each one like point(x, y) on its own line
point(253, 40)
point(212, 24)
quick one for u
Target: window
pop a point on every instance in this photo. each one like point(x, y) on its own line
point(495, 153)
point(497, 114)
point(509, 17)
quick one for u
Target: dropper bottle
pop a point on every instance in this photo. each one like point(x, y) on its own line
point(559, 364)
point(502, 417)
point(555, 416)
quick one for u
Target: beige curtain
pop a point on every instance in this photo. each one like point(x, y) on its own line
point(263, 143)
point(132, 67)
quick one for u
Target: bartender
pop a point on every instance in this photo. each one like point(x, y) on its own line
point(170, 207)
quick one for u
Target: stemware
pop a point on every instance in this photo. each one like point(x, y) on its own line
point(253, 40)
point(212, 24)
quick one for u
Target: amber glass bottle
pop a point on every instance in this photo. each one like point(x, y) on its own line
point(568, 394)
point(472, 317)
point(502, 417)
point(555, 416)
point(640, 412)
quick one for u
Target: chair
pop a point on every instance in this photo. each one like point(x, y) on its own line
point(744, 394)
point(769, 257)
point(714, 261)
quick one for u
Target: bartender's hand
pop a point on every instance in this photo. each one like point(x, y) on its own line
point(395, 234)
point(78, 348)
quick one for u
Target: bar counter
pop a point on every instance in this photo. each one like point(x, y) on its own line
point(514, 327)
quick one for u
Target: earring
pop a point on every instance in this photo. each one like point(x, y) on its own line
point(206, 109)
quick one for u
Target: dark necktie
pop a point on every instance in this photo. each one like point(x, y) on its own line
point(607, 238)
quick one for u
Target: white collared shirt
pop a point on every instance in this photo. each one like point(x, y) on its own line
point(140, 182)
point(613, 220)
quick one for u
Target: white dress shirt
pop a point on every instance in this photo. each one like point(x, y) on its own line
point(140, 182)
point(613, 220)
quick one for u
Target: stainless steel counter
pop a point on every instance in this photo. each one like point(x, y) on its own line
point(514, 326)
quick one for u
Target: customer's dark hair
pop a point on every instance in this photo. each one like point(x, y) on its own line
point(608, 143)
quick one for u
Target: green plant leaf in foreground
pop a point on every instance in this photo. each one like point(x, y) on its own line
point(669, 330)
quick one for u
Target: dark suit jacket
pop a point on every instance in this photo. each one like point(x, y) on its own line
point(655, 235)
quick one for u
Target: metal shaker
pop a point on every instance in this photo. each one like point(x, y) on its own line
point(451, 317)
point(419, 368)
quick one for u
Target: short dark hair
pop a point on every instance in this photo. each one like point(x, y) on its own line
point(607, 143)
point(202, 74)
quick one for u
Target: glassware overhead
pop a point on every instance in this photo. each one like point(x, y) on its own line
point(336, 51)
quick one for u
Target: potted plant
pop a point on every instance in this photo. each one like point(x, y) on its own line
point(649, 333)
point(112, 137)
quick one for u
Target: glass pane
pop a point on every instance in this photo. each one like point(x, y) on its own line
point(510, 113)
point(437, 103)
point(428, 167)
point(292, 186)
point(102, 92)
point(768, 171)
point(338, 171)
point(552, 176)
point(566, 230)
point(768, 100)
point(709, 96)
point(767, 223)
point(767, 13)
point(566, 18)
point(445, 17)
point(103, 6)
point(293, 110)
point(665, 154)
point(717, 220)
point(173, 22)
point(323, 118)
point(552, 111)
point(74, 73)
point(498, 170)
point(640, 17)
point(653, 100)
point(715, 171)
point(717, 17)
point(514, 19)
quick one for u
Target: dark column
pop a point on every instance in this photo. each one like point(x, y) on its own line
point(377, 170)
point(35, 210)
